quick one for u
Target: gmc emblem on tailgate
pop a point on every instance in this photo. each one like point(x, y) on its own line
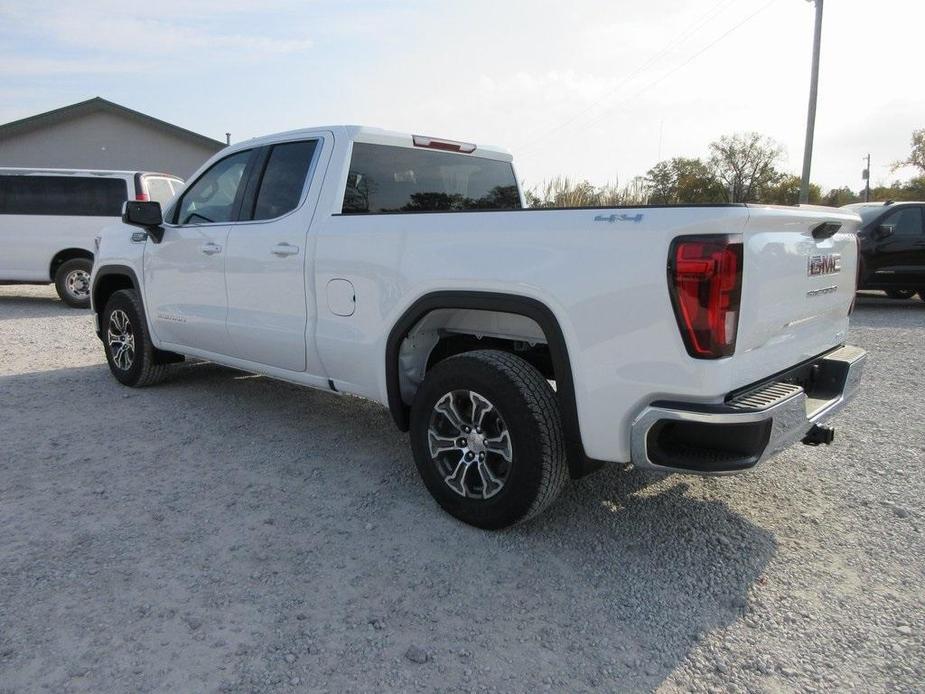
point(823, 264)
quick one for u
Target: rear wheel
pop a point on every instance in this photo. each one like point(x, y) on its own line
point(129, 350)
point(900, 293)
point(487, 438)
point(72, 282)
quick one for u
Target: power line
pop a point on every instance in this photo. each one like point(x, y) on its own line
point(668, 74)
point(667, 48)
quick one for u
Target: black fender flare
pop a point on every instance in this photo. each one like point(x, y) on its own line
point(579, 463)
point(109, 271)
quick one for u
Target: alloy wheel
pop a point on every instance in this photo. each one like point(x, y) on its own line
point(470, 444)
point(121, 339)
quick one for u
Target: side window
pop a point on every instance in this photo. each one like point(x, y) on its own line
point(283, 179)
point(211, 198)
point(159, 189)
point(77, 196)
point(905, 222)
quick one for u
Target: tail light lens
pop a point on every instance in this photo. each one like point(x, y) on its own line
point(705, 283)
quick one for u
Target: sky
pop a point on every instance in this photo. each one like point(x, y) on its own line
point(593, 90)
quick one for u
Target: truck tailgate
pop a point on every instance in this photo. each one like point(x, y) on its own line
point(797, 289)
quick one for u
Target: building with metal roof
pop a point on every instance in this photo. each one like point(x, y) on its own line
point(99, 134)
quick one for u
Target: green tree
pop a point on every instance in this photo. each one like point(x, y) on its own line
point(682, 180)
point(840, 196)
point(916, 157)
point(745, 165)
point(785, 190)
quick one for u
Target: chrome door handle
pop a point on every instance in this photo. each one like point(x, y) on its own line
point(284, 249)
point(210, 248)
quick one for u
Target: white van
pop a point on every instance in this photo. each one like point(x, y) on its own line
point(50, 217)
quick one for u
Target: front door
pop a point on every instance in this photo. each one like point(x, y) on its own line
point(898, 260)
point(185, 273)
point(266, 260)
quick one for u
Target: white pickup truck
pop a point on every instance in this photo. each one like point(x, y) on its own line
point(520, 347)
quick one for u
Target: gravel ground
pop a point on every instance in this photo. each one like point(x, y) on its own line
point(227, 532)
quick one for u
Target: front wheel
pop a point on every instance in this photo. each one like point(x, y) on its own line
point(487, 438)
point(72, 282)
point(900, 293)
point(129, 350)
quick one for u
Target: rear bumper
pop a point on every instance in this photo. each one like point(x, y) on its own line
point(752, 425)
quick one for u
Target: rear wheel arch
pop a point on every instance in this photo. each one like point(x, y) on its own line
point(65, 255)
point(539, 313)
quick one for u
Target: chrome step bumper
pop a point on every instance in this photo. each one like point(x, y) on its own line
point(751, 425)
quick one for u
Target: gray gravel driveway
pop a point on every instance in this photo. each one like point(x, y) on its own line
point(225, 532)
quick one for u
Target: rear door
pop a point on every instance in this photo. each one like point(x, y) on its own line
point(265, 266)
point(185, 273)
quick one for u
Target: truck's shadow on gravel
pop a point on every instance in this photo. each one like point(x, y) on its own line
point(223, 520)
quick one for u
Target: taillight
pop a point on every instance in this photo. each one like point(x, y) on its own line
point(141, 196)
point(705, 283)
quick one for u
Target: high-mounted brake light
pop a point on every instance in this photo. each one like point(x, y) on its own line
point(141, 196)
point(705, 283)
point(445, 145)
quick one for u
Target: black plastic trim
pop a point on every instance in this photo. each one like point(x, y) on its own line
point(108, 271)
point(826, 230)
point(579, 463)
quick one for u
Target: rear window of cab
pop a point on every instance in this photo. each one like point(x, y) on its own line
point(384, 179)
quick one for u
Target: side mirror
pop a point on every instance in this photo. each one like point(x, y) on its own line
point(883, 231)
point(146, 215)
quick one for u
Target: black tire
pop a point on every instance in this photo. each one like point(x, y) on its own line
point(72, 282)
point(527, 409)
point(922, 294)
point(123, 322)
point(900, 293)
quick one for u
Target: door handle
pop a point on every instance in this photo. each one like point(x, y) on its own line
point(284, 249)
point(210, 248)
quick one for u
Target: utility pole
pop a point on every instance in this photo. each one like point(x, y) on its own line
point(811, 115)
point(867, 180)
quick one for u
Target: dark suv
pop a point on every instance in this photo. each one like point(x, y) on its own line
point(892, 240)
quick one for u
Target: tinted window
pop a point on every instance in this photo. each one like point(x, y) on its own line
point(905, 222)
point(62, 195)
point(400, 179)
point(211, 198)
point(159, 190)
point(868, 213)
point(283, 179)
